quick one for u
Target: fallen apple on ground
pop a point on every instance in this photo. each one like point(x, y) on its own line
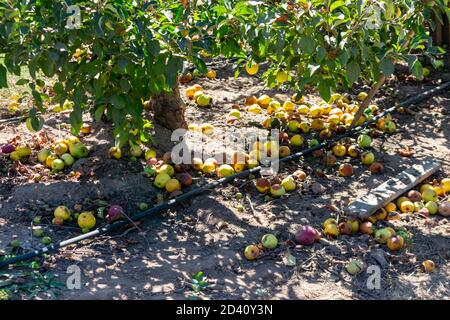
point(395, 243)
point(269, 241)
point(251, 252)
point(354, 267)
point(86, 220)
point(306, 235)
point(277, 190)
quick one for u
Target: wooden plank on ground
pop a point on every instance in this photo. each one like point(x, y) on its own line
point(391, 189)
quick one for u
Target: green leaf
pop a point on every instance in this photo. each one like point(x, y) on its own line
point(99, 113)
point(118, 101)
point(36, 122)
point(415, 67)
point(336, 4)
point(353, 71)
point(76, 121)
point(307, 44)
point(3, 81)
point(324, 89)
point(22, 82)
point(387, 67)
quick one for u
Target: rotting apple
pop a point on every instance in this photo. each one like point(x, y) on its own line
point(381, 214)
point(444, 209)
point(353, 151)
point(331, 229)
point(407, 207)
point(277, 190)
point(346, 170)
point(393, 215)
point(284, 151)
point(329, 221)
point(251, 252)
point(376, 168)
point(300, 175)
point(395, 243)
point(263, 185)
point(366, 227)
point(345, 228)
point(185, 179)
point(414, 196)
point(428, 266)
point(339, 150)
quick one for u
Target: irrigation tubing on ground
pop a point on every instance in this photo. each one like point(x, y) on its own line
point(208, 187)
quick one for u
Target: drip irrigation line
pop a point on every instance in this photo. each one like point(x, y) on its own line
point(210, 186)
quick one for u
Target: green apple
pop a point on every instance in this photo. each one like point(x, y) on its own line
point(354, 267)
point(269, 241)
point(161, 180)
point(293, 125)
point(136, 151)
point(68, 159)
point(382, 235)
point(367, 158)
point(364, 141)
point(38, 232)
point(78, 150)
point(43, 155)
point(429, 195)
point(203, 100)
point(390, 127)
point(46, 240)
point(15, 243)
point(432, 207)
point(57, 164)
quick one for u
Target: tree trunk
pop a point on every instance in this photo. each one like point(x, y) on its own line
point(168, 108)
point(373, 91)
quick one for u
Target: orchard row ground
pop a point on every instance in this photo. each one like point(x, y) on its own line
point(209, 233)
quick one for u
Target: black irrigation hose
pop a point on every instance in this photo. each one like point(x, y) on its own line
point(200, 190)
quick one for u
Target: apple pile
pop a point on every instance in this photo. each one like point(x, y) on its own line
point(85, 220)
point(197, 94)
point(253, 251)
point(135, 151)
point(16, 152)
point(429, 199)
point(395, 240)
point(305, 124)
point(278, 187)
point(63, 153)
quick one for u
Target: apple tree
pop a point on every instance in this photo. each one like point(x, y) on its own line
point(331, 45)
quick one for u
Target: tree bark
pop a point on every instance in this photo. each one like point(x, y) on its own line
point(373, 91)
point(168, 109)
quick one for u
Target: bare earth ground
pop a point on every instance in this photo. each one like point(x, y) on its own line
point(158, 260)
